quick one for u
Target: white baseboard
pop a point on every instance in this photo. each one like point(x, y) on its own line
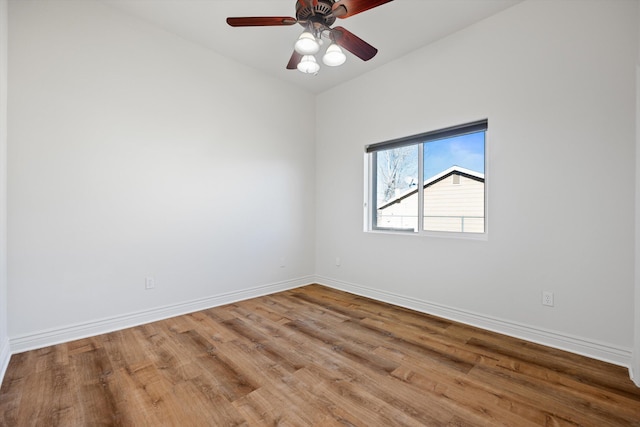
point(5, 356)
point(54, 336)
point(585, 347)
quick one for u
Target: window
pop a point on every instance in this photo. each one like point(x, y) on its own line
point(449, 163)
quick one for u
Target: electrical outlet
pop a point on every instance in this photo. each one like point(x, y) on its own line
point(149, 283)
point(338, 261)
point(547, 298)
point(283, 262)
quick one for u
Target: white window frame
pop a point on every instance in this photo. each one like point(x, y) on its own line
point(419, 140)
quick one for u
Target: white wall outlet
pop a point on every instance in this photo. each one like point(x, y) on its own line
point(547, 298)
point(338, 261)
point(283, 262)
point(149, 283)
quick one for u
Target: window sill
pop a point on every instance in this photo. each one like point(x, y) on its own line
point(433, 234)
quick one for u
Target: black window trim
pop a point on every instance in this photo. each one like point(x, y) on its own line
point(459, 130)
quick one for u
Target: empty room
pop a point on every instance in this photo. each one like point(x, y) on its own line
point(319, 212)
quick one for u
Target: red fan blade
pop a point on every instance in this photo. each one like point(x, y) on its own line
point(346, 8)
point(294, 61)
point(261, 21)
point(353, 44)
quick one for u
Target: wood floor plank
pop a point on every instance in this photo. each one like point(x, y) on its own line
point(312, 356)
point(355, 406)
point(563, 406)
point(474, 399)
point(214, 330)
point(267, 308)
point(264, 407)
point(601, 375)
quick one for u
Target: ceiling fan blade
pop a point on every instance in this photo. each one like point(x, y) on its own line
point(261, 21)
point(353, 43)
point(294, 61)
point(346, 8)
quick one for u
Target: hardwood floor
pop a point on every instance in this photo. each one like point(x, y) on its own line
point(312, 356)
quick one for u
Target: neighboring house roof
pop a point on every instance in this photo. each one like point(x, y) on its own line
point(434, 179)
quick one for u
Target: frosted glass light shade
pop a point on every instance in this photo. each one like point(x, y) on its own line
point(334, 56)
point(308, 65)
point(307, 44)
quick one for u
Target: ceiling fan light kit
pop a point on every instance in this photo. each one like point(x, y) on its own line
point(308, 65)
point(334, 56)
point(307, 44)
point(317, 16)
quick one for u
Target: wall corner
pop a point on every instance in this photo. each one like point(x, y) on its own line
point(4, 37)
point(634, 369)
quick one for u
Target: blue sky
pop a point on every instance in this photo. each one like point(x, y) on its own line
point(466, 151)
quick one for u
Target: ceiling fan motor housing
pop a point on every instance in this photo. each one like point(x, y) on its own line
point(319, 15)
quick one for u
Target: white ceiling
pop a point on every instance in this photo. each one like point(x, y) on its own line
point(395, 29)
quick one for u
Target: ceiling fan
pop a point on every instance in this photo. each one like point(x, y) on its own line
point(317, 16)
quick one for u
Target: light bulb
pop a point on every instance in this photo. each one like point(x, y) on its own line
point(334, 56)
point(308, 65)
point(307, 44)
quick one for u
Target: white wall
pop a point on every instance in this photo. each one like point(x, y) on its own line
point(4, 336)
point(127, 147)
point(556, 81)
